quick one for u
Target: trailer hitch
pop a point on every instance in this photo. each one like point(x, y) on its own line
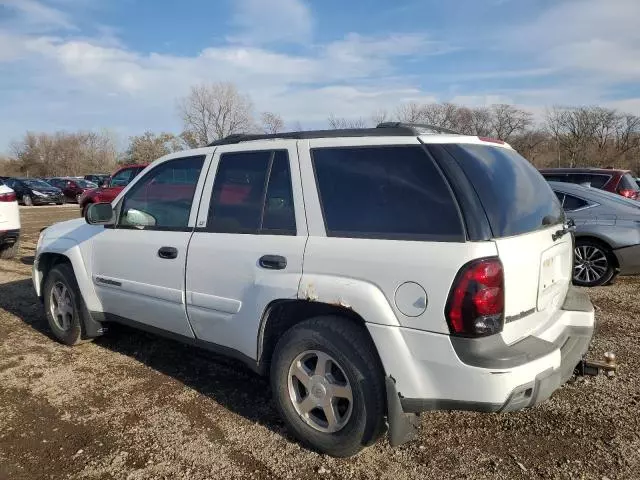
point(607, 367)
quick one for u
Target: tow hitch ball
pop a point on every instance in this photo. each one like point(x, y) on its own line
point(607, 367)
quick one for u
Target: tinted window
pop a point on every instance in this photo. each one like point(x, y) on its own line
point(252, 194)
point(555, 177)
point(158, 201)
point(594, 180)
point(560, 197)
point(384, 192)
point(515, 197)
point(628, 183)
point(37, 184)
point(572, 203)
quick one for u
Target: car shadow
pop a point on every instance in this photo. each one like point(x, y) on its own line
point(28, 260)
point(229, 382)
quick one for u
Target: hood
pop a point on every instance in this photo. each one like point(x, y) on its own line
point(77, 229)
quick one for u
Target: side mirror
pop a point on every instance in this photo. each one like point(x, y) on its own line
point(100, 214)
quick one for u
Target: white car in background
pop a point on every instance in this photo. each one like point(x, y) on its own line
point(9, 223)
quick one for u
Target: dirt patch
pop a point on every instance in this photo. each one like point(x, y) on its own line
point(131, 405)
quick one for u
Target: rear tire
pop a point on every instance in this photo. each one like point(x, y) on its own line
point(27, 200)
point(8, 252)
point(64, 306)
point(594, 263)
point(352, 369)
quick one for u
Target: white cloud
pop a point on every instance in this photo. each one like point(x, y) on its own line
point(36, 14)
point(266, 21)
point(594, 36)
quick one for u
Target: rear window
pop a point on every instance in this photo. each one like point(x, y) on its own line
point(391, 192)
point(627, 182)
point(515, 197)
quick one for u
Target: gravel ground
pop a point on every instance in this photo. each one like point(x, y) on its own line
point(134, 406)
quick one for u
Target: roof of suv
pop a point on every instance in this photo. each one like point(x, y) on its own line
point(386, 129)
point(608, 171)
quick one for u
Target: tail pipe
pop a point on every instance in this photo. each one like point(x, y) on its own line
point(608, 366)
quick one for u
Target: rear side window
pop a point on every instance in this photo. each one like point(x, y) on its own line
point(572, 203)
point(628, 183)
point(594, 180)
point(385, 192)
point(515, 197)
point(252, 194)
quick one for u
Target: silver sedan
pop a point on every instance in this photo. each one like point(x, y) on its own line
point(607, 233)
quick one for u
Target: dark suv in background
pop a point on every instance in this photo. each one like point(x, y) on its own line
point(615, 181)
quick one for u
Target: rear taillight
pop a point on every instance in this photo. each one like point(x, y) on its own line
point(8, 197)
point(476, 302)
point(629, 193)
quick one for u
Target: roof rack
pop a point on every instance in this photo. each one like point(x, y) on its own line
point(386, 129)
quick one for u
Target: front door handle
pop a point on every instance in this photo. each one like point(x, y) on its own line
point(273, 262)
point(168, 253)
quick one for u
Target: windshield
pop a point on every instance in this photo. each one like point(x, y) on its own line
point(37, 184)
point(515, 197)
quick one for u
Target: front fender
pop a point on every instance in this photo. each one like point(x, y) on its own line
point(363, 298)
point(70, 249)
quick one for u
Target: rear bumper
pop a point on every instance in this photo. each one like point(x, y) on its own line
point(430, 373)
point(628, 259)
point(9, 237)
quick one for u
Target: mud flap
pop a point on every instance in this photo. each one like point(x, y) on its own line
point(403, 427)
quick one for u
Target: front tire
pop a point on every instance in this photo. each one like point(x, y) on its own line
point(593, 264)
point(328, 385)
point(64, 306)
point(27, 200)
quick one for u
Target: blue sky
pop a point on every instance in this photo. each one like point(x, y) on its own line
point(121, 65)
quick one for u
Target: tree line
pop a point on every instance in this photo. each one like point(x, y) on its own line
point(590, 136)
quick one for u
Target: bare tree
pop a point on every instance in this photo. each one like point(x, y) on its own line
point(62, 153)
point(149, 146)
point(297, 126)
point(213, 111)
point(380, 116)
point(336, 123)
point(272, 122)
point(411, 112)
point(508, 121)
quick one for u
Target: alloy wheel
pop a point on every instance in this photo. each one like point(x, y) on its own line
point(320, 391)
point(590, 265)
point(61, 306)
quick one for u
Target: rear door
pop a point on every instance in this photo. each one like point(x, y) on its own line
point(524, 215)
point(248, 246)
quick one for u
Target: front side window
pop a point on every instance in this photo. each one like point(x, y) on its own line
point(252, 194)
point(391, 192)
point(162, 199)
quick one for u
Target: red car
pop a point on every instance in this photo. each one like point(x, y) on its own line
point(111, 188)
point(615, 181)
point(71, 187)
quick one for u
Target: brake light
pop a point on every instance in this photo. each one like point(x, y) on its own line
point(8, 197)
point(476, 302)
point(491, 140)
point(629, 193)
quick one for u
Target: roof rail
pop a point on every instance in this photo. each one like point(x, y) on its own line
point(419, 128)
point(387, 129)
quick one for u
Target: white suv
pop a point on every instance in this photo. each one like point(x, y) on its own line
point(9, 223)
point(372, 274)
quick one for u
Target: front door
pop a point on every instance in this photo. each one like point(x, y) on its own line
point(139, 265)
point(248, 246)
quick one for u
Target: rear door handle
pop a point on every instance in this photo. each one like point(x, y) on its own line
point(273, 262)
point(168, 253)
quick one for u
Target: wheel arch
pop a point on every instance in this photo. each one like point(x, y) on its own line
point(281, 315)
